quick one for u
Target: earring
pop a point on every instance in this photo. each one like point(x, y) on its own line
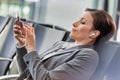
point(93, 34)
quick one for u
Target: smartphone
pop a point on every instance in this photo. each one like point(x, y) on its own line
point(18, 20)
point(22, 19)
point(17, 15)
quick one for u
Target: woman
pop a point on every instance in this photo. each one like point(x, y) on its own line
point(64, 60)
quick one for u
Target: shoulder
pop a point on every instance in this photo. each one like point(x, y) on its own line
point(89, 51)
point(88, 54)
point(88, 60)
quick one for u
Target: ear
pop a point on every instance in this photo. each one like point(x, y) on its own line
point(94, 34)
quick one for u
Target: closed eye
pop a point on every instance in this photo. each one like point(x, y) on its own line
point(82, 22)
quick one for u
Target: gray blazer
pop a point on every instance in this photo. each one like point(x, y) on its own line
point(57, 63)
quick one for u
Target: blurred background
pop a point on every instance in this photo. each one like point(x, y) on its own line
point(58, 12)
point(61, 13)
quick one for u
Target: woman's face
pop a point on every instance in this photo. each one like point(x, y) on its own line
point(82, 28)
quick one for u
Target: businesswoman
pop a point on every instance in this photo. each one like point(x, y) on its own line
point(64, 60)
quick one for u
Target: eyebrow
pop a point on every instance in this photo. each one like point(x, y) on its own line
point(83, 18)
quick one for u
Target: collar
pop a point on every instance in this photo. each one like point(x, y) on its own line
point(77, 46)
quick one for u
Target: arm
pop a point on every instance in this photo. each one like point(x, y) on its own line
point(81, 67)
point(20, 53)
point(19, 34)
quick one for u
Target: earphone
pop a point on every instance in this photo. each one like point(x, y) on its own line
point(93, 34)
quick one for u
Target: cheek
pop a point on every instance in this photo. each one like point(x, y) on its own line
point(83, 32)
point(80, 33)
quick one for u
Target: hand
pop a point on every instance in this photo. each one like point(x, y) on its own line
point(30, 38)
point(19, 32)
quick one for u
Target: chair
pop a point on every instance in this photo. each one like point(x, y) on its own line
point(7, 46)
point(113, 71)
point(9, 77)
point(46, 37)
point(106, 52)
point(3, 22)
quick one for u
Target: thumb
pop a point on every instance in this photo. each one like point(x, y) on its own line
point(24, 30)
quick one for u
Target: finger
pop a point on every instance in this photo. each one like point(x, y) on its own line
point(25, 30)
point(32, 29)
point(17, 31)
point(28, 29)
point(17, 22)
point(29, 26)
point(18, 36)
point(20, 23)
point(16, 27)
point(19, 39)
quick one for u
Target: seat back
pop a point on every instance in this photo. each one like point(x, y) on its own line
point(46, 37)
point(3, 21)
point(106, 53)
point(113, 71)
point(7, 46)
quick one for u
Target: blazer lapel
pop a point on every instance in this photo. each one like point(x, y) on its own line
point(49, 51)
point(52, 52)
point(56, 53)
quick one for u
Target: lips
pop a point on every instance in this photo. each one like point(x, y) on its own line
point(73, 30)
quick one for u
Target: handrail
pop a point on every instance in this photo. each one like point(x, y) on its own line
point(11, 60)
point(5, 59)
point(5, 24)
point(9, 77)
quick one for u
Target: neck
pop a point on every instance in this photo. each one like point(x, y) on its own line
point(84, 42)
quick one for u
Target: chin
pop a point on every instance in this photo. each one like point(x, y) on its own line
point(71, 36)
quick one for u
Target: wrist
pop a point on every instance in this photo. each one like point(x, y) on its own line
point(31, 49)
point(20, 44)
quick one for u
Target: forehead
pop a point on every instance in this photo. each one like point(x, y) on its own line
point(87, 15)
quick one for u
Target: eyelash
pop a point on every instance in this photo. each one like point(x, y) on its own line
point(82, 22)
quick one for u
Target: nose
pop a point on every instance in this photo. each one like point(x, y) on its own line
point(75, 24)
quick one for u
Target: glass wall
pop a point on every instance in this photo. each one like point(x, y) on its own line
point(13, 7)
point(118, 22)
point(58, 12)
point(65, 12)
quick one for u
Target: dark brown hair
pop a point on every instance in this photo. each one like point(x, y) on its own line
point(103, 22)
